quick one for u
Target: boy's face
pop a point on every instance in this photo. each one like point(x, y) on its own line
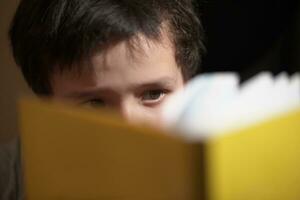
point(136, 83)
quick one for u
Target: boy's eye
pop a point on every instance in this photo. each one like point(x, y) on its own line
point(94, 103)
point(153, 96)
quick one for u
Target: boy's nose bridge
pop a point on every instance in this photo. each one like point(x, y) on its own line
point(128, 110)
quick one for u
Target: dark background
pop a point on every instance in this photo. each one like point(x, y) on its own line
point(249, 36)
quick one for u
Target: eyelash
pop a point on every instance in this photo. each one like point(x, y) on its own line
point(94, 103)
point(153, 96)
point(148, 97)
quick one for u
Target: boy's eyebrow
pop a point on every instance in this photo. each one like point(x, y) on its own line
point(160, 82)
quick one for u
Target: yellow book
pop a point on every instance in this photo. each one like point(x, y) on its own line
point(74, 154)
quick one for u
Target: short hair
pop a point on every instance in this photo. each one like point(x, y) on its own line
point(49, 35)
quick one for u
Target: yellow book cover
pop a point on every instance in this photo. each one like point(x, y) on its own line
point(74, 154)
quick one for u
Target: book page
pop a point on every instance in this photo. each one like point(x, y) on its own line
point(214, 103)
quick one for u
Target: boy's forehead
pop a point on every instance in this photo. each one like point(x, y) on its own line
point(136, 61)
point(137, 50)
point(134, 51)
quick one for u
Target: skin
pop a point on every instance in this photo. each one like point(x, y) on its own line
point(136, 82)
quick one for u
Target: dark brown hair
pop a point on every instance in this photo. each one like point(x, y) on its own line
point(49, 35)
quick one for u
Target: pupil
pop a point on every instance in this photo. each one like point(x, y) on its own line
point(96, 103)
point(154, 94)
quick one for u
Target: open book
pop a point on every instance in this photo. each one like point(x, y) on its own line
point(70, 153)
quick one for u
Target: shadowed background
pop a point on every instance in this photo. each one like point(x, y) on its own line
point(11, 81)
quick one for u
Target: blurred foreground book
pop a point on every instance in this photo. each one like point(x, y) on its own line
point(71, 154)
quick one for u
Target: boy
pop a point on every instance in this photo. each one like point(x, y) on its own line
point(129, 55)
